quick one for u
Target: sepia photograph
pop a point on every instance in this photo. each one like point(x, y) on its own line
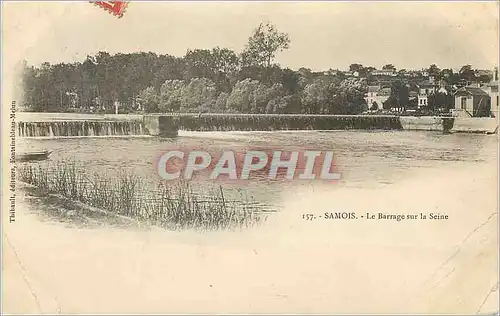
point(249, 157)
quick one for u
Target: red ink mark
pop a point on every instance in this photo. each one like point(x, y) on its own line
point(116, 8)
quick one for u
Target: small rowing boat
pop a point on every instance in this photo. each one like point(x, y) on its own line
point(33, 156)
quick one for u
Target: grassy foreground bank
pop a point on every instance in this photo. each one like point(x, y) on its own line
point(173, 206)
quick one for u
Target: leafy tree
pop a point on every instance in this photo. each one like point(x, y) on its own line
point(199, 64)
point(241, 98)
point(168, 68)
point(483, 77)
point(467, 73)
point(279, 104)
point(389, 67)
point(290, 81)
point(254, 72)
point(263, 45)
point(327, 95)
point(316, 96)
point(399, 96)
point(251, 96)
point(268, 99)
point(199, 95)
point(171, 93)
point(450, 77)
point(353, 92)
point(221, 103)
point(434, 70)
point(290, 104)
point(224, 60)
point(305, 73)
point(218, 65)
point(362, 70)
point(440, 100)
point(149, 100)
point(106, 79)
point(356, 67)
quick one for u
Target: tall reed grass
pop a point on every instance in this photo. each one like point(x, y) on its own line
point(173, 206)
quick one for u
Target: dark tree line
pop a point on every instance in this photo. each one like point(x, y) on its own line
point(210, 80)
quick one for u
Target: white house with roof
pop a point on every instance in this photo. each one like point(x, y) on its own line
point(425, 89)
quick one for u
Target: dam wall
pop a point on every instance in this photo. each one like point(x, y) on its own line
point(487, 125)
point(80, 128)
point(426, 123)
point(279, 122)
point(168, 125)
point(159, 125)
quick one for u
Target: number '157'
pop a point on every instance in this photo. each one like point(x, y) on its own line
point(308, 217)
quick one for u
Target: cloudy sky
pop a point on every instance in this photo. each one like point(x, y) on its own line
point(323, 34)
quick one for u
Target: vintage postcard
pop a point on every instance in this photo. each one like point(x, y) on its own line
point(176, 157)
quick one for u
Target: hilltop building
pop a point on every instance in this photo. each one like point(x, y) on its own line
point(385, 72)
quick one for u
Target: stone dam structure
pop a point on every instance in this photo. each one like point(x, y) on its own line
point(168, 125)
point(80, 128)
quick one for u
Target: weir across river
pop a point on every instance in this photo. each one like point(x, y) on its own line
point(168, 125)
point(80, 128)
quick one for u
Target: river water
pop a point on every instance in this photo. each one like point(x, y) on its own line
point(369, 160)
